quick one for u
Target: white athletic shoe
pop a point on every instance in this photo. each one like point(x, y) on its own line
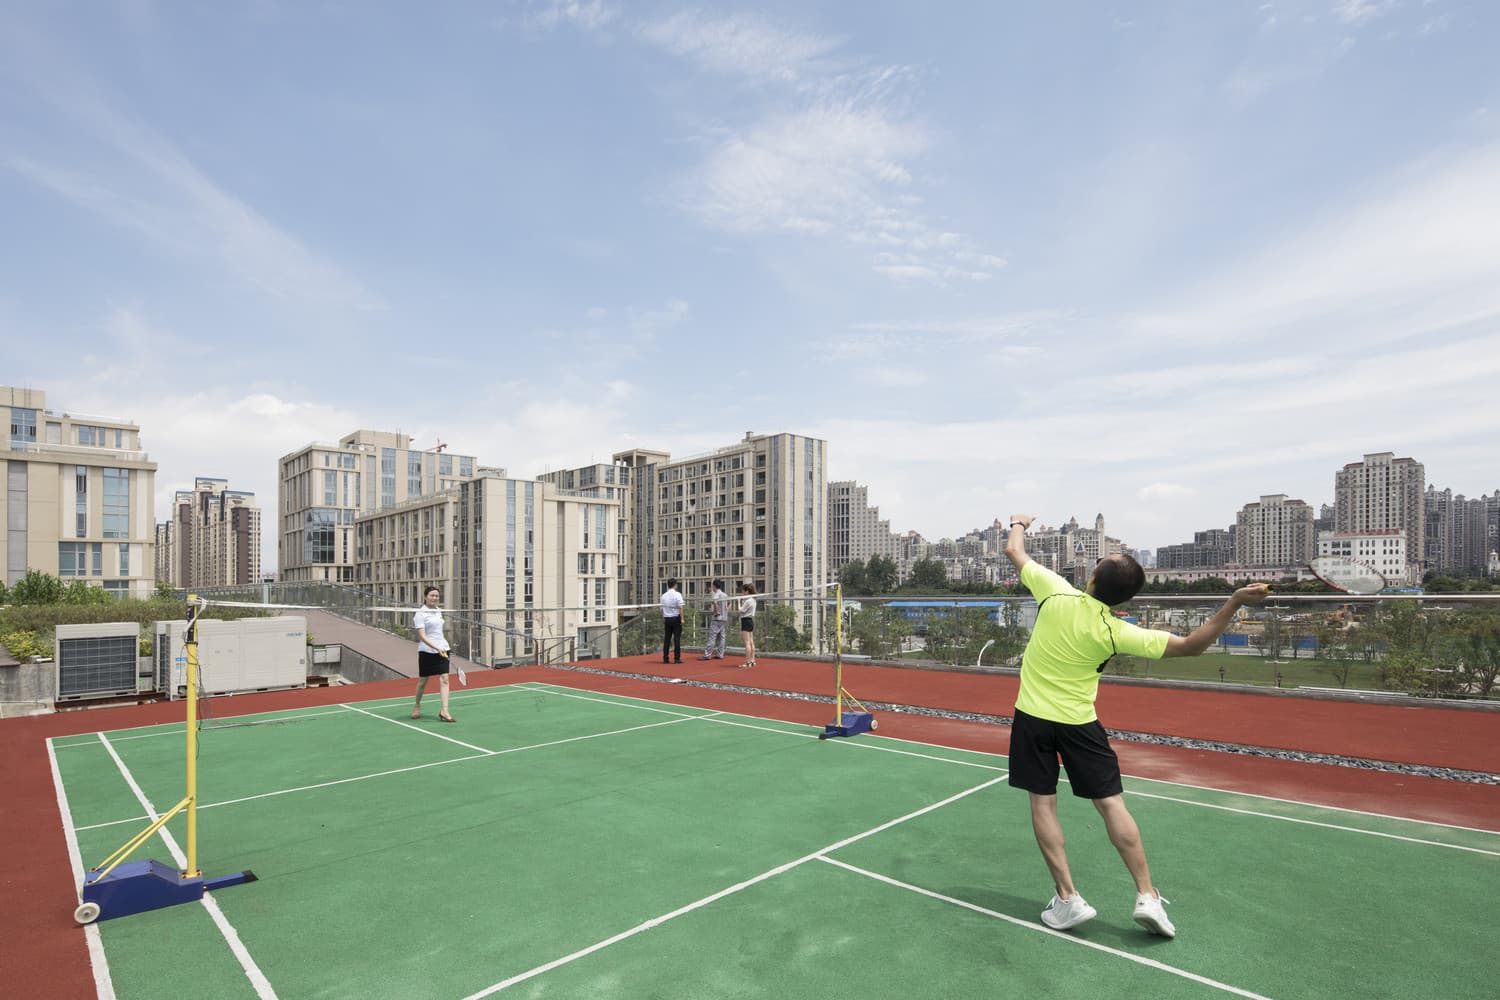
point(1061, 914)
point(1152, 915)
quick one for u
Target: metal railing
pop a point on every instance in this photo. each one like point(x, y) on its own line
point(1431, 645)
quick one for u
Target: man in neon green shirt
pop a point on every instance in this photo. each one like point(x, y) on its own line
point(1075, 637)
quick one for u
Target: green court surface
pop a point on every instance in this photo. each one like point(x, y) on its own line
point(560, 843)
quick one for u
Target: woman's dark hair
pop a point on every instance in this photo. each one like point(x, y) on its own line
point(429, 589)
point(745, 588)
point(1117, 579)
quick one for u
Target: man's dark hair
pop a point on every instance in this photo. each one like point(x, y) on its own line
point(718, 584)
point(672, 582)
point(1117, 579)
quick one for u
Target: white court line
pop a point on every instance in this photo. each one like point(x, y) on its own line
point(419, 729)
point(104, 986)
point(565, 693)
point(1132, 777)
point(1313, 822)
point(1044, 929)
point(1315, 805)
point(731, 890)
point(88, 741)
point(272, 716)
point(252, 971)
point(857, 745)
point(404, 770)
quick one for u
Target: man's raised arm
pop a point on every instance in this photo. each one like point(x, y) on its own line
point(1015, 542)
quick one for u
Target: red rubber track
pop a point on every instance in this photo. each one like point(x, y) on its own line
point(46, 955)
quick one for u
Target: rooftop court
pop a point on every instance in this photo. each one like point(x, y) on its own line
point(595, 830)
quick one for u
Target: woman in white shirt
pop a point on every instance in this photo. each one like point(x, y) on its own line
point(747, 622)
point(432, 652)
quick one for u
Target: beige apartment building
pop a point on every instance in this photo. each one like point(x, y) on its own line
point(607, 482)
point(212, 539)
point(323, 488)
point(856, 531)
point(1382, 492)
point(80, 497)
point(1274, 532)
point(518, 561)
point(755, 511)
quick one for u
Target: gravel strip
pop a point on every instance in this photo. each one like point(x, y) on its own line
point(1300, 756)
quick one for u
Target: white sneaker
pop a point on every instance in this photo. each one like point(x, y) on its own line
point(1152, 915)
point(1062, 914)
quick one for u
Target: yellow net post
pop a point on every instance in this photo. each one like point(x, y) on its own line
point(838, 654)
point(190, 644)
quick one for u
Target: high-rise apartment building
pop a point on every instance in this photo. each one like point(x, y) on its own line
point(1275, 532)
point(1380, 492)
point(516, 559)
point(640, 584)
point(856, 531)
point(755, 511)
point(1457, 532)
point(80, 497)
point(323, 488)
point(213, 538)
point(1211, 549)
point(606, 482)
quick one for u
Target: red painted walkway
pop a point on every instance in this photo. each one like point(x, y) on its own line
point(45, 956)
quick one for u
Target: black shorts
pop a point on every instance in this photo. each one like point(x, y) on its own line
point(747, 624)
point(431, 664)
point(1036, 744)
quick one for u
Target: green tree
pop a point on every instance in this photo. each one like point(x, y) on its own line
point(164, 591)
point(1471, 649)
point(928, 575)
point(1410, 635)
point(37, 587)
point(4, 593)
point(878, 632)
point(776, 631)
point(79, 594)
point(880, 575)
point(854, 578)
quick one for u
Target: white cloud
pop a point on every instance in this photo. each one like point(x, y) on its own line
point(1165, 491)
point(590, 15)
point(1362, 11)
point(892, 378)
point(139, 179)
point(1417, 254)
point(745, 45)
point(830, 156)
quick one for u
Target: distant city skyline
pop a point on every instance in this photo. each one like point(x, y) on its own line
point(1151, 261)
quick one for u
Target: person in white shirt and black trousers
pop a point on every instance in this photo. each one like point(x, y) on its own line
point(671, 621)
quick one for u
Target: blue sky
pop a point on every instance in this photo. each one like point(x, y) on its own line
point(1149, 259)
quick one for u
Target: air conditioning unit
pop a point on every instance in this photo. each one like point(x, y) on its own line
point(96, 660)
point(234, 657)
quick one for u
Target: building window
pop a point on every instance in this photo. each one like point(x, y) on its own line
point(330, 488)
point(81, 501)
point(124, 560)
point(116, 503)
point(318, 535)
point(80, 559)
point(22, 427)
point(388, 477)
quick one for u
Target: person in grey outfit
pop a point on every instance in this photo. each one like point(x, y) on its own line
point(718, 623)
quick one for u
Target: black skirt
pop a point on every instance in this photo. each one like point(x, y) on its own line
point(431, 664)
point(747, 624)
